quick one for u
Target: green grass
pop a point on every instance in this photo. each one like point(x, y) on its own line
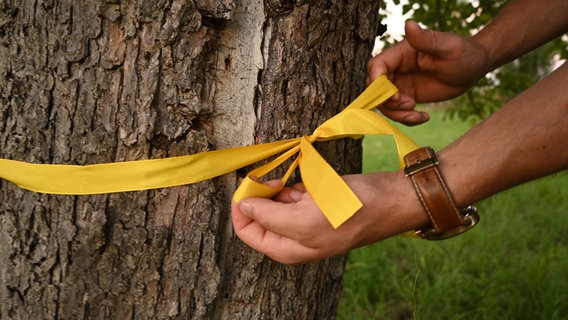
point(513, 265)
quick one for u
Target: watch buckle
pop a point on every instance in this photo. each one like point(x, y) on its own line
point(471, 218)
point(421, 165)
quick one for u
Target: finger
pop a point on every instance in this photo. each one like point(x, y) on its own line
point(271, 183)
point(295, 220)
point(289, 195)
point(387, 62)
point(239, 220)
point(402, 110)
point(431, 42)
point(407, 117)
point(401, 102)
point(376, 68)
point(423, 39)
point(300, 187)
point(279, 248)
point(278, 217)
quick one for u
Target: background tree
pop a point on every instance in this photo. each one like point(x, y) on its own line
point(85, 81)
point(465, 17)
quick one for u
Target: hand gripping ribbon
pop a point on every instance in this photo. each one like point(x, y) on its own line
point(332, 195)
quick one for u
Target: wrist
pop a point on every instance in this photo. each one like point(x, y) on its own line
point(486, 51)
point(390, 207)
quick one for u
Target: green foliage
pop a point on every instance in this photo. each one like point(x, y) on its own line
point(511, 266)
point(502, 85)
point(456, 16)
point(465, 18)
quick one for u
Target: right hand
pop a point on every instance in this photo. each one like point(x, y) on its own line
point(290, 227)
point(427, 66)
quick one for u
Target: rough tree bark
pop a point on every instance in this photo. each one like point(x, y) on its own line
point(84, 81)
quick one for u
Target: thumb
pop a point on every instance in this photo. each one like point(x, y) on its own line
point(425, 40)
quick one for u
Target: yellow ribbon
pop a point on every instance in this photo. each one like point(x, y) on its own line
point(327, 188)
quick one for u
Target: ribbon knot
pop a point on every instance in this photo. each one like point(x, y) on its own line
point(332, 195)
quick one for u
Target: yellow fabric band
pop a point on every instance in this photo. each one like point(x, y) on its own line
point(327, 188)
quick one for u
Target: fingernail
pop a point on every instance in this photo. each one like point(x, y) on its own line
point(246, 208)
point(276, 184)
point(296, 195)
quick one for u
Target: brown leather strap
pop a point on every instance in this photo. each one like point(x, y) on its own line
point(422, 168)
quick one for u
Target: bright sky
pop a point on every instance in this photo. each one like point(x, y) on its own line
point(394, 19)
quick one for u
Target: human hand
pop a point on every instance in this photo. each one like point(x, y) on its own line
point(427, 66)
point(291, 228)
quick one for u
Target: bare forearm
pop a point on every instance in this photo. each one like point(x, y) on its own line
point(520, 27)
point(524, 140)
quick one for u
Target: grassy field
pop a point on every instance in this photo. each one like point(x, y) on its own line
point(514, 265)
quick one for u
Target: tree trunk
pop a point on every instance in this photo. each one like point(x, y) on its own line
point(84, 81)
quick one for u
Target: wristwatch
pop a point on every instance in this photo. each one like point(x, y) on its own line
point(446, 220)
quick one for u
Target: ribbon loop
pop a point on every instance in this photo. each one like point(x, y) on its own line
point(332, 195)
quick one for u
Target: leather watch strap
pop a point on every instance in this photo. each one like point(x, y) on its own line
point(446, 219)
